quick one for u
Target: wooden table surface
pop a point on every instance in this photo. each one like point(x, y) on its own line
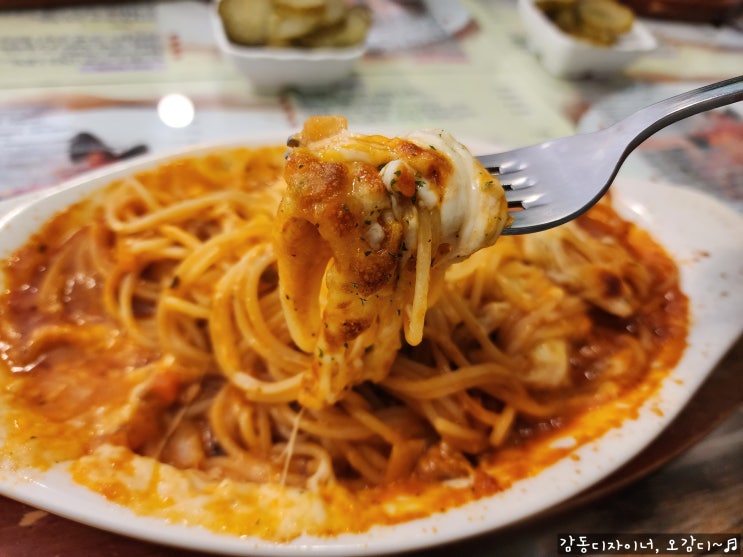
point(690, 480)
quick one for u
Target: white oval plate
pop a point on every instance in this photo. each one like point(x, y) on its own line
point(703, 236)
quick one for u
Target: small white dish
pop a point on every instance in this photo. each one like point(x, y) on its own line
point(710, 259)
point(565, 56)
point(270, 69)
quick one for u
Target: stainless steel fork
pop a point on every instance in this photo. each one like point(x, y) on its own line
point(555, 181)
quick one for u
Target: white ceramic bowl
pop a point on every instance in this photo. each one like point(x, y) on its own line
point(565, 56)
point(271, 68)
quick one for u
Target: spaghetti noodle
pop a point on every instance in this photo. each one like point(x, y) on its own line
point(145, 337)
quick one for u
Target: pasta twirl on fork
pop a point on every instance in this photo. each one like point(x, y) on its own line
point(166, 337)
point(376, 222)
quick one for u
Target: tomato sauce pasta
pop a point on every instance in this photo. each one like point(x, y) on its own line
point(147, 338)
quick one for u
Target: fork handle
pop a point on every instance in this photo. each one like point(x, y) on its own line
point(645, 122)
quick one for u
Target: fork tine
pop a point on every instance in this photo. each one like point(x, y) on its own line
point(510, 176)
point(527, 203)
point(525, 199)
point(516, 180)
point(509, 168)
point(494, 162)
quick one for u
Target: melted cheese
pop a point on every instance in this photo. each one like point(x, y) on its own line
point(366, 228)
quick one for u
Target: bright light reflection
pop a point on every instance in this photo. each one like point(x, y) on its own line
point(175, 110)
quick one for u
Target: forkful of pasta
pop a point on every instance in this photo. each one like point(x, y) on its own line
point(364, 232)
point(553, 182)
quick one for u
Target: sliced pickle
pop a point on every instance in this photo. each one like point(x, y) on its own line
point(600, 22)
point(606, 15)
point(246, 21)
